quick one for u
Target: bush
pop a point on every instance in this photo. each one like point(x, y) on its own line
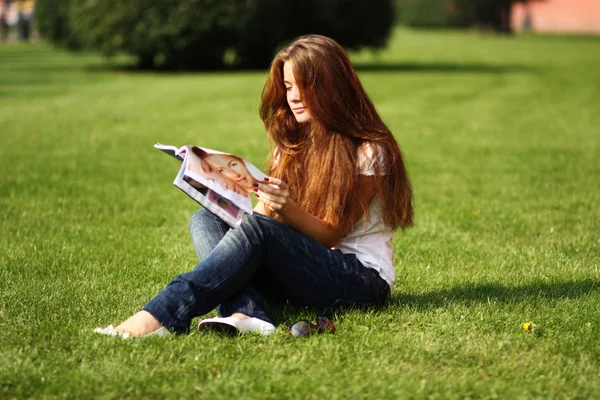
point(494, 14)
point(52, 17)
point(435, 13)
point(196, 34)
point(180, 35)
point(267, 24)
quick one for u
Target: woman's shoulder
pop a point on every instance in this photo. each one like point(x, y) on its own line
point(371, 158)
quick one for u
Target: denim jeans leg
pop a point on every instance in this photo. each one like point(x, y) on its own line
point(224, 272)
point(309, 272)
point(249, 301)
point(305, 272)
point(207, 230)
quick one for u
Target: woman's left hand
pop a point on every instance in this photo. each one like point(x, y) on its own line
point(273, 192)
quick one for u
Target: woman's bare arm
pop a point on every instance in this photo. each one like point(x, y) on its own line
point(275, 195)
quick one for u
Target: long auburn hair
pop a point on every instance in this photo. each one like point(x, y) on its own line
point(318, 159)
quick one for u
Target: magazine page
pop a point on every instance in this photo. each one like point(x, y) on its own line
point(223, 208)
point(230, 176)
point(173, 151)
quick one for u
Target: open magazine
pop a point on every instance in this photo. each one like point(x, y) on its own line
point(220, 182)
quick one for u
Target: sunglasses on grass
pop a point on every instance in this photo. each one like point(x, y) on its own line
point(305, 328)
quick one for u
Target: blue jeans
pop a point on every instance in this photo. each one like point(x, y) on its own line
point(261, 257)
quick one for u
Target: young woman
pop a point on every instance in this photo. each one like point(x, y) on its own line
point(321, 234)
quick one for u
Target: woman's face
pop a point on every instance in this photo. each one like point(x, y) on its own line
point(293, 94)
point(232, 168)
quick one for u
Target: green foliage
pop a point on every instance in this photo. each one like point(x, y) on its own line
point(434, 13)
point(456, 13)
point(264, 25)
point(53, 22)
point(197, 34)
point(183, 34)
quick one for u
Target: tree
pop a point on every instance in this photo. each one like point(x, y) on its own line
point(493, 13)
point(52, 17)
point(197, 34)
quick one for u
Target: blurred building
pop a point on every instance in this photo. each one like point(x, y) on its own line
point(557, 16)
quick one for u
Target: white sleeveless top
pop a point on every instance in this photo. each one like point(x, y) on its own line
point(371, 240)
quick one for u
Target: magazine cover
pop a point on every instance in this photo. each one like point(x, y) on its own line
point(230, 176)
point(219, 181)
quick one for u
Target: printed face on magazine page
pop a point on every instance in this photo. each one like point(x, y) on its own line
point(207, 171)
point(233, 168)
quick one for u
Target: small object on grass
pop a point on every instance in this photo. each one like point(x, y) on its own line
point(529, 326)
point(305, 328)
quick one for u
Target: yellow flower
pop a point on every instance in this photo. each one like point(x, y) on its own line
point(527, 326)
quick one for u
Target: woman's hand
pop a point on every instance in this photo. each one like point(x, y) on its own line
point(273, 192)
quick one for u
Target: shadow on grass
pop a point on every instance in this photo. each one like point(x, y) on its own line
point(39, 79)
point(407, 67)
point(287, 313)
point(38, 60)
point(442, 67)
point(492, 292)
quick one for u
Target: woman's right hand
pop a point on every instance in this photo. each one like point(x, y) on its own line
point(274, 193)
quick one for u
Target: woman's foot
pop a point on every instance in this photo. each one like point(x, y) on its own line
point(141, 323)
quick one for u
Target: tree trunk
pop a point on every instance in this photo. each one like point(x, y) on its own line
point(504, 13)
point(494, 14)
point(145, 61)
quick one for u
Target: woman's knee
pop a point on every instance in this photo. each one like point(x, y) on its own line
point(203, 222)
point(200, 218)
point(253, 221)
point(262, 226)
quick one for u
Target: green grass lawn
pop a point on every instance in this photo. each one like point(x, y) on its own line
point(502, 140)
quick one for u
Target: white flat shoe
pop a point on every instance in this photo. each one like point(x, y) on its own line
point(111, 331)
point(233, 325)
